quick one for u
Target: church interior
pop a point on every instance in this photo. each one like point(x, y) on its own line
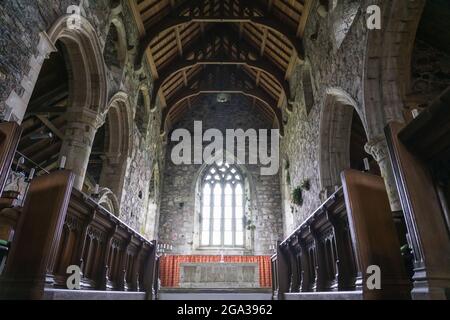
point(352, 98)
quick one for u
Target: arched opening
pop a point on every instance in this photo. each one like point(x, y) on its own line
point(141, 117)
point(44, 121)
point(342, 142)
point(115, 51)
point(288, 209)
point(110, 153)
point(308, 90)
point(151, 218)
point(108, 200)
point(96, 158)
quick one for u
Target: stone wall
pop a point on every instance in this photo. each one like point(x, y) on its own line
point(22, 21)
point(337, 62)
point(178, 209)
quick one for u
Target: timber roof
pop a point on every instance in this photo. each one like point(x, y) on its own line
point(191, 44)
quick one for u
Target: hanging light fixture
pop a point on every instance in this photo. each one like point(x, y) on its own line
point(223, 97)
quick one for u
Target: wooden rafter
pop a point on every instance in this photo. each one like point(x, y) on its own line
point(172, 31)
point(179, 19)
point(260, 64)
point(197, 88)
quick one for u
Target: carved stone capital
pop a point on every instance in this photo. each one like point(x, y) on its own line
point(378, 148)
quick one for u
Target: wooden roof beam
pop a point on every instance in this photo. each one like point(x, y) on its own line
point(256, 94)
point(173, 22)
point(209, 88)
point(260, 65)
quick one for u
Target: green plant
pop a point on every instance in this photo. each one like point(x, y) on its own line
point(297, 196)
point(250, 225)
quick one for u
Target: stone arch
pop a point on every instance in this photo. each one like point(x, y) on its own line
point(143, 109)
point(288, 214)
point(387, 63)
point(87, 89)
point(335, 131)
point(109, 201)
point(118, 144)
point(308, 86)
point(116, 47)
point(88, 67)
point(152, 216)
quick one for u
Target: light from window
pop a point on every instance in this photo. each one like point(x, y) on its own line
point(222, 218)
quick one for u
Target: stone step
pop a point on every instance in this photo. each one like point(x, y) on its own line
point(215, 294)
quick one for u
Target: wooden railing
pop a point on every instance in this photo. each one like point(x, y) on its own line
point(112, 256)
point(318, 256)
point(61, 227)
point(331, 250)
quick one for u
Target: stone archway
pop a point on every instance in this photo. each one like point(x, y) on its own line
point(152, 214)
point(109, 201)
point(386, 79)
point(387, 63)
point(335, 130)
point(87, 93)
point(118, 144)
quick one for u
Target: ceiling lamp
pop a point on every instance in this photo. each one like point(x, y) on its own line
point(223, 98)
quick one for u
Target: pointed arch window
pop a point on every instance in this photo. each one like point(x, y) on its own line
point(222, 215)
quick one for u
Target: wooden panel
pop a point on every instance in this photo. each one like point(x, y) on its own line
point(39, 232)
point(424, 219)
point(374, 234)
point(9, 140)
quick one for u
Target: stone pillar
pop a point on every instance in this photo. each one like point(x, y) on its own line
point(81, 127)
point(379, 150)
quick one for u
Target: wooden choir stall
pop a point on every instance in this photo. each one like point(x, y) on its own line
point(420, 154)
point(330, 255)
point(58, 227)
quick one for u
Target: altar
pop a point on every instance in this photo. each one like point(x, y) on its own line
point(219, 275)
